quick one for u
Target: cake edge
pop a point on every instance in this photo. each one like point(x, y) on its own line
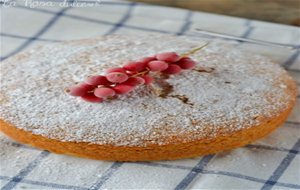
point(152, 152)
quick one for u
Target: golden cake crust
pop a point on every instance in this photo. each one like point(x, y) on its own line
point(197, 126)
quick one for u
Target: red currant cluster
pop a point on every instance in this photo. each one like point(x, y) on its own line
point(121, 80)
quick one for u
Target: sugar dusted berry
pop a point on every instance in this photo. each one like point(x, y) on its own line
point(79, 89)
point(97, 80)
point(90, 97)
point(134, 81)
point(115, 69)
point(86, 86)
point(135, 66)
point(104, 92)
point(147, 59)
point(186, 63)
point(168, 57)
point(116, 77)
point(157, 65)
point(172, 69)
point(123, 88)
point(76, 91)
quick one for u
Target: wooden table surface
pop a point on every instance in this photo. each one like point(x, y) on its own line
point(279, 11)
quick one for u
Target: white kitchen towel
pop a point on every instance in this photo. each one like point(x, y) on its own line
point(270, 163)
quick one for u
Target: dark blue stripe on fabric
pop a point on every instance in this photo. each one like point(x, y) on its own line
point(123, 20)
point(248, 30)
point(249, 178)
point(25, 171)
point(272, 148)
point(26, 38)
point(14, 144)
point(187, 23)
point(281, 168)
point(293, 122)
point(294, 70)
point(292, 59)
point(147, 29)
point(194, 172)
point(46, 184)
point(107, 174)
point(155, 164)
point(38, 34)
point(224, 173)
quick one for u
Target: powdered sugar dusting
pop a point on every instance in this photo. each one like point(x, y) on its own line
point(241, 89)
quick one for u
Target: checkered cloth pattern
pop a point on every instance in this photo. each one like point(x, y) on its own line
point(270, 163)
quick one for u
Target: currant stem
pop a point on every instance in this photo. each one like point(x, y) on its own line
point(140, 74)
point(194, 50)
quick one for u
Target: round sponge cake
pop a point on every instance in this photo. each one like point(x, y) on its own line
point(231, 99)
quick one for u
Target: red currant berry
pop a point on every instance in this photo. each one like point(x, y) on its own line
point(147, 59)
point(135, 66)
point(90, 97)
point(116, 77)
point(123, 88)
point(168, 57)
point(186, 63)
point(134, 81)
point(103, 92)
point(157, 65)
point(97, 80)
point(80, 89)
point(115, 69)
point(172, 69)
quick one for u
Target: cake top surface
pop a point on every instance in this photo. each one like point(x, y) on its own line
point(242, 90)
